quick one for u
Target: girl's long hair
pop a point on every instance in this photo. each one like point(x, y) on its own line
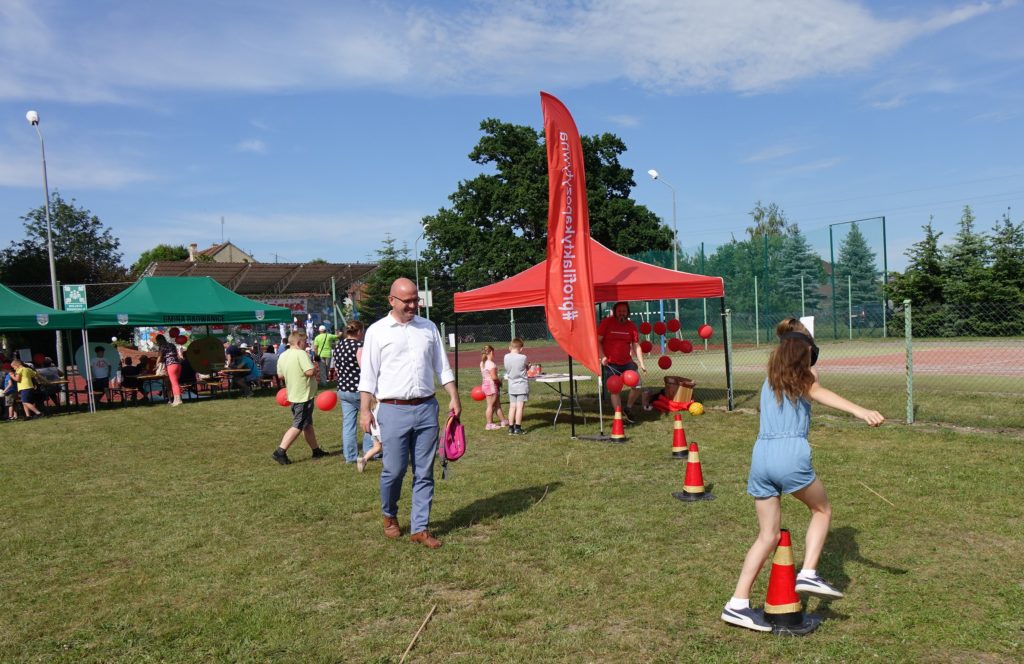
point(484, 352)
point(789, 365)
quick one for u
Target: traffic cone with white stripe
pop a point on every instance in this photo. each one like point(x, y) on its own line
point(782, 607)
point(618, 429)
point(693, 484)
point(678, 439)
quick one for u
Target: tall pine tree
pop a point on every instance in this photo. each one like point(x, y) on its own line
point(857, 272)
point(392, 262)
point(800, 273)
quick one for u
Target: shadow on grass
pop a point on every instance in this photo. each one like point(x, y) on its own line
point(841, 548)
point(498, 506)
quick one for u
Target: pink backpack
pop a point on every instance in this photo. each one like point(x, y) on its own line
point(453, 443)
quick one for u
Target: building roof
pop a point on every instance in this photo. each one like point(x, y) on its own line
point(269, 278)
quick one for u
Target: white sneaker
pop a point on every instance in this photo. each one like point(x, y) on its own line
point(749, 618)
point(815, 585)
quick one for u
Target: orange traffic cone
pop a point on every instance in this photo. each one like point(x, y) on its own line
point(693, 484)
point(782, 607)
point(678, 439)
point(618, 430)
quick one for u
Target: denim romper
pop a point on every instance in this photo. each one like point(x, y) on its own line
point(781, 460)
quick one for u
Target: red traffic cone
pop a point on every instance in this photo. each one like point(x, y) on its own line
point(678, 439)
point(618, 430)
point(693, 484)
point(782, 607)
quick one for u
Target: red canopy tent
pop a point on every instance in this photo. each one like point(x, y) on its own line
point(616, 278)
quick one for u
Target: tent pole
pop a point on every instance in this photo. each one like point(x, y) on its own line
point(88, 371)
point(456, 326)
point(726, 350)
point(572, 401)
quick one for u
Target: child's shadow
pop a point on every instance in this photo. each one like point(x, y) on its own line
point(841, 548)
point(498, 506)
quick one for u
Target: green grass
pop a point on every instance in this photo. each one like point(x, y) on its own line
point(152, 534)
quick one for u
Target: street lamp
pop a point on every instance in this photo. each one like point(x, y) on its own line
point(675, 227)
point(33, 119)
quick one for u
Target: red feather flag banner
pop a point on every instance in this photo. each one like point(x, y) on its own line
point(569, 302)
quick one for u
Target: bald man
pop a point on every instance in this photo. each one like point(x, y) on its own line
point(402, 354)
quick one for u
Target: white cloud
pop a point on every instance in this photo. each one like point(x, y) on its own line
point(773, 152)
point(253, 145)
point(813, 166)
point(58, 50)
point(72, 170)
point(624, 120)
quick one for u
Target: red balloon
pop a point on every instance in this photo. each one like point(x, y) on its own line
point(614, 384)
point(181, 340)
point(673, 325)
point(630, 377)
point(673, 344)
point(282, 397)
point(38, 359)
point(686, 346)
point(645, 328)
point(659, 328)
point(326, 400)
point(664, 361)
point(646, 346)
point(173, 332)
point(705, 331)
point(478, 393)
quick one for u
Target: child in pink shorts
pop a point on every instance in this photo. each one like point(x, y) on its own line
point(492, 389)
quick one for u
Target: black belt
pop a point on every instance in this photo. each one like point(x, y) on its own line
point(406, 402)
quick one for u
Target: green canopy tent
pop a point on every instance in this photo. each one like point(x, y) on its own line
point(20, 314)
point(181, 301)
point(178, 301)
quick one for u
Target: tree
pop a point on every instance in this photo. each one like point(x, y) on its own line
point(497, 223)
point(1008, 254)
point(800, 273)
point(856, 271)
point(967, 276)
point(392, 263)
point(768, 220)
point(83, 250)
point(161, 252)
point(921, 282)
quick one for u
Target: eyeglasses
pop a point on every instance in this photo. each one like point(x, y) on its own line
point(411, 300)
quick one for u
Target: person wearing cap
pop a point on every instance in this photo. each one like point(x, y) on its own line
point(323, 344)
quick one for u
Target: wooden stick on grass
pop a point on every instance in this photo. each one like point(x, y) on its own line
point(876, 493)
point(417, 635)
point(545, 494)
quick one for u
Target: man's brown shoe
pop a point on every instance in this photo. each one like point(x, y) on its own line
point(391, 527)
point(426, 539)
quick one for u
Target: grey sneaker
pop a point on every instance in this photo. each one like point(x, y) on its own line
point(815, 585)
point(749, 618)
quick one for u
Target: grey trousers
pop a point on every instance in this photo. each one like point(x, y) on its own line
point(409, 434)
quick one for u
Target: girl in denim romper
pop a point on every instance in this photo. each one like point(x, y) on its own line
point(781, 463)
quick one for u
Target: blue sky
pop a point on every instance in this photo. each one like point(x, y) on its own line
point(314, 128)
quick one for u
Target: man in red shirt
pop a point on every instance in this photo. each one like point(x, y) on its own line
point(620, 341)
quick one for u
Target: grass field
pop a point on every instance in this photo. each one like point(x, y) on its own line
point(151, 534)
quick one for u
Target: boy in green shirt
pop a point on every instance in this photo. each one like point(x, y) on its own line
point(299, 375)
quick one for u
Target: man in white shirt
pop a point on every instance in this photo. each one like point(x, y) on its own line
point(402, 353)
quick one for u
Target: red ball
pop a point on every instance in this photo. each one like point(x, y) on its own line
point(673, 344)
point(673, 325)
point(664, 361)
point(614, 384)
point(282, 397)
point(173, 332)
point(659, 328)
point(326, 400)
point(181, 340)
point(686, 346)
point(705, 331)
point(646, 346)
point(630, 377)
point(478, 393)
point(38, 359)
point(645, 328)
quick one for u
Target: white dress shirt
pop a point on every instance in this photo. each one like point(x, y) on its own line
point(400, 360)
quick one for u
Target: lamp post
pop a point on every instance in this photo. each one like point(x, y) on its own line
point(675, 227)
point(33, 119)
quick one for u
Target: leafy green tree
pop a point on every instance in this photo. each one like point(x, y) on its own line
point(768, 220)
point(800, 273)
point(392, 262)
point(84, 251)
point(497, 223)
point(856, 271)
point(161, 252)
